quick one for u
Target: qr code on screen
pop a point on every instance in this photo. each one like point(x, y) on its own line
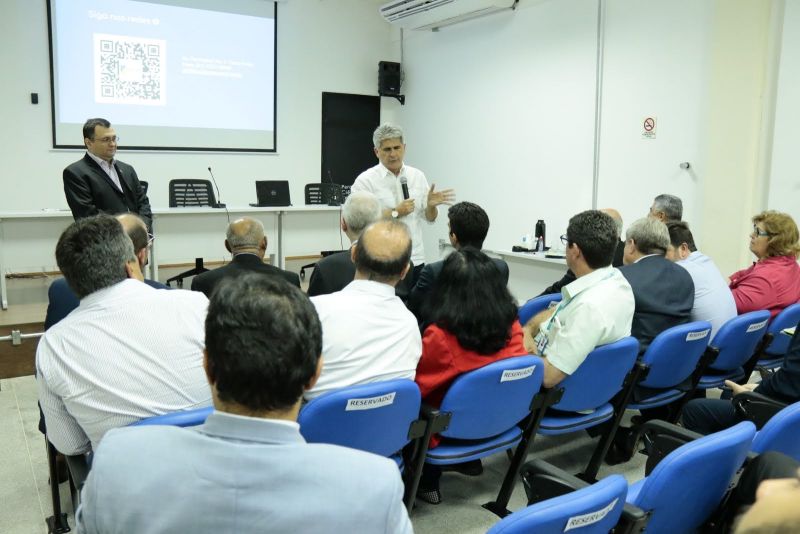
point(129, 70)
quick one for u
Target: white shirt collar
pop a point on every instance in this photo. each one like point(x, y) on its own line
point(103, 163)
point(370, 286)
point(386, 172)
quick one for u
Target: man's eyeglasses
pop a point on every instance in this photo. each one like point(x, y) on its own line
point(565, 240)
point(107, 140)
point(758, 232)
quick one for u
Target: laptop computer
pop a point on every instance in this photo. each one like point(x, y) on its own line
point(272, 193)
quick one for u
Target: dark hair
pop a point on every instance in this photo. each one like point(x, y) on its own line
point(471, 301)
point(595, 233)
point(679, 233)
point(263, 340)
point(381, 267)
point(89, 125)
point(469, 223)
point(92, 253)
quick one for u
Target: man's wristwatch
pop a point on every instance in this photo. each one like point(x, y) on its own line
point(395, 214)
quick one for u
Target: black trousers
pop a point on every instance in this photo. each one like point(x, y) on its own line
point(707, 416)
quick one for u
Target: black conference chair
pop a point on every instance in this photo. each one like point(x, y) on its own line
point(184, 193)
point(320, 194)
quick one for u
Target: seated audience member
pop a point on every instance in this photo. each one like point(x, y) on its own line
point(666, 208)
point(247, 243)
point(60, 298)
point(771, 483)
point(127, 352)
point(248, 468)
point(713, 301)
point(664, 292)
point(368, 334)
point(773, 281)
point(334, 272)
point(711, 415)
point(596, 309)
point(473, 323)
point(570, 277)
point(468, 224)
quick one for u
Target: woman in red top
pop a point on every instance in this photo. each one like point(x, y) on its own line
point(773, 282)
point(473, 323)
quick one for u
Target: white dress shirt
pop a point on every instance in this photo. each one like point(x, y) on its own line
point(108, 167)
point(382, 183)
point(127, 352)
point(368, 335)
point(713, 300)
point(596, 309)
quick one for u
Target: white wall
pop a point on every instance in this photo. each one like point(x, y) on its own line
point(318, 50)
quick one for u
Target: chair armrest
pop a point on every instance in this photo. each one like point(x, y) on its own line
point(544, 481)
point(633, 520)
point(661, 438)
point(756, 407)
point(437, 420)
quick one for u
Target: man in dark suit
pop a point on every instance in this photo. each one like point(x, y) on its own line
point(334, 272)
point(570, 277)
point(663, 291)
point(246, 241)
point(468, 225)
point(98, 183)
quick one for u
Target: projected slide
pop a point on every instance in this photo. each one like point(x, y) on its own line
point(174, 74)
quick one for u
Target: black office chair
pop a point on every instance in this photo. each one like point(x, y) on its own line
point(320, 194)
point(187, 192)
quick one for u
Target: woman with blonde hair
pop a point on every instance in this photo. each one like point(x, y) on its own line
point(773, 281)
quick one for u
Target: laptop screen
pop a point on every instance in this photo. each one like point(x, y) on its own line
point(273, 192)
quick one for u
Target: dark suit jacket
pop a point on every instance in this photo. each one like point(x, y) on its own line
point(332, 273)
point(241, 263)
point(90, 191)
point(427, 282)
point(784, 384)
point(61, 300)
point(570, 277)
point(664, 296)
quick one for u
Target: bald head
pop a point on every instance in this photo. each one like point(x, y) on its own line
point(614, 214)
point(246, 235)
point(136, 229)
point(382, 252)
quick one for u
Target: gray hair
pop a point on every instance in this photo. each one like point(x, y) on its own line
point(361, 209)
point(670, 205)
point(386, 131)
point(245, 233)
point(92, 254)
point(649, 235)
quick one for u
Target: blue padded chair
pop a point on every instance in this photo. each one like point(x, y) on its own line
point(781, 433)
point(775, 343)
point(379, 417)
point(672, 360)
point(685, 488)
point(183, 418)
point(535, 305)
point(733, 345)
point(595, 509)
point(586, 396)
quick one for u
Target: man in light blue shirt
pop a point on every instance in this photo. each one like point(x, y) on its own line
point(713, 300)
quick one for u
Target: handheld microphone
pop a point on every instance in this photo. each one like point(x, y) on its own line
point(217, 204)
point(404, 185)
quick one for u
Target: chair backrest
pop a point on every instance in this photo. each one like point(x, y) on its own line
point(689, 483)
point(370, 417)
point(788, 318)
point(674, 353)
point(535, 305)
point(736, 340)
point(183, 418)
point(185, 192)
point(492, 399)
point(781, 433)
point(594, 509)
point(599, 377)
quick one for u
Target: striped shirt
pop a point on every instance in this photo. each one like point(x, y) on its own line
point(126, 353)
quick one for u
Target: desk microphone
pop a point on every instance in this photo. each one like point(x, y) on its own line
point(333, 197)
point(217, 204)
point(404, 185)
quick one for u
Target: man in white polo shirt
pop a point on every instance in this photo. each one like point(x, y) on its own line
point(596, 309)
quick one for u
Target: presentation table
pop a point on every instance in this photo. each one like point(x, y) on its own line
point(28, 238)
point(530, 272)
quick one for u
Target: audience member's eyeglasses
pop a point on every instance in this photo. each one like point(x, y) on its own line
point(108, 140)
point(758, 232)
point(150, 238)
point(565, 240)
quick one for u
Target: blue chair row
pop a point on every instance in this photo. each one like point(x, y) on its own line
point(772, 351)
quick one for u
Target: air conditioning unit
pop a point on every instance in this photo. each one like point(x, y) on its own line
point(433, 14)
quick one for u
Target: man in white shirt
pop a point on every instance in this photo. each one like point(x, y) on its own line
point(713, 300)
point(127, 352)
point(368, 334)
point(416, 203)
point(596, 309)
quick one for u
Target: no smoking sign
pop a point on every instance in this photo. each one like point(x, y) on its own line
point(649, 128)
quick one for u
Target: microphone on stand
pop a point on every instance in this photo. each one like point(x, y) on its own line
point(217, 204)
point(333, 198)
point(404, 185)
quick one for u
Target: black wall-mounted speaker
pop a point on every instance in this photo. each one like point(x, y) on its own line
point(388, 78)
